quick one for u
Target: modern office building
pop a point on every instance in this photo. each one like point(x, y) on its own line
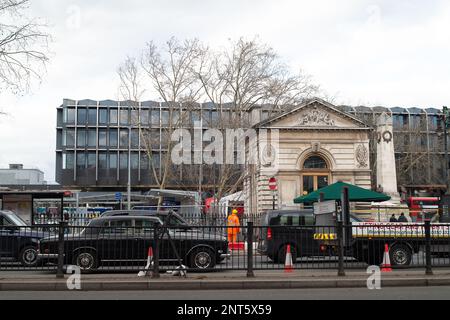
point(97, 140)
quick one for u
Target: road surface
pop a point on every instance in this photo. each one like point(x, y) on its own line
point(422, 293)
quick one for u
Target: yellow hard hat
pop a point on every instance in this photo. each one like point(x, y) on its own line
point(234, 211)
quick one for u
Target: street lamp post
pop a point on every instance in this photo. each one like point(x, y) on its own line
point(129, 170)
point(446, 118)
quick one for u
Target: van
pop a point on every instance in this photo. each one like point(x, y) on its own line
point(282, 227)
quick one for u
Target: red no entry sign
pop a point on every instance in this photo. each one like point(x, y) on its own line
point(273, 184)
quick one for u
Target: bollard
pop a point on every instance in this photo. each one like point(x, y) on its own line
point(155, 273)
point(428, 271)
point(340, 233)
point(61, 232)
point(250, 273)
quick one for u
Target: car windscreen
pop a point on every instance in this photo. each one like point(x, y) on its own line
point(16, 220)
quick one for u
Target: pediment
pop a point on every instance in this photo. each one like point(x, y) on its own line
point(316, 114)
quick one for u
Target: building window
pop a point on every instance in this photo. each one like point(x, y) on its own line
point(81, 161)
point(154, 139)
point(144, 161)
point(155, 117)
point(144, 118)
point(134, 117)
point(195, 117)
point(69, 115)
point(315, 162)
point(69, 138)
point(123, 161)
point(113, 160)
point(81, 117)
point(156, 160)
point(68, 161)
point(124, 138)
point(113, 138)
point(165, 118)
point(92, 138)
point(175, 118)
point(113, 117)
point(91, 160)
point(102, 141)
point(102, 161)
point(135, 160)
point(81, 138)
point(135, 138)
point(103, 116)
point(92, 116)
point(124, 117)
point(214, 117)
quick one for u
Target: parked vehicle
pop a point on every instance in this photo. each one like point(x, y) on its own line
point(175, 219)
point(124, 241)
point(18, 241)
point(296, 228)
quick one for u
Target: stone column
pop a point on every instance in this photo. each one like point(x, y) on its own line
point(386, 169)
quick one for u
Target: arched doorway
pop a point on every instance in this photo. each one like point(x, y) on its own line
point(315, 174)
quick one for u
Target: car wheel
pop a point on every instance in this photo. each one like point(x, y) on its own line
point(202, 259)
point(86, 261)
point(28, 256)
point(282, 254)
point(400, 255)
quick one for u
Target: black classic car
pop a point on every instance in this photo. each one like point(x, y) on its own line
point(122, 241)
point(18, 241)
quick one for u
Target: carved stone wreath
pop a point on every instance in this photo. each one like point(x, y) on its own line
point(362, 156)
point(317, 117)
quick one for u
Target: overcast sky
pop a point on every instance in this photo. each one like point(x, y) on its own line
point(390, 53)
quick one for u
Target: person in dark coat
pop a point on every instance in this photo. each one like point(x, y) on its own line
point(402, 218)
point(393, 219)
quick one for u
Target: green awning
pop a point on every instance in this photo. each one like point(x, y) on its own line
point(334, 192)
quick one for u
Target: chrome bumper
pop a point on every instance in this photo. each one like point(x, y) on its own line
point(225, 256)
point(47, 256)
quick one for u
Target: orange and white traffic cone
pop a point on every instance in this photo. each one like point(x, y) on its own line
point(288, 265)
point(149, 263)
point(386, 265)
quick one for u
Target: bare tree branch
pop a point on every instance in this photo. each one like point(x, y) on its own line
point(23, 47)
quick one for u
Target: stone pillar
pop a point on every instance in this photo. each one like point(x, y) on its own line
point(386, 168)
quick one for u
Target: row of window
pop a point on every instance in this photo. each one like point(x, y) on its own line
point(106, 138)
point(153, 117)
point(402, 122)
point(108, 160)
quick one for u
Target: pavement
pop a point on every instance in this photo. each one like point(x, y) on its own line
point(225, 280)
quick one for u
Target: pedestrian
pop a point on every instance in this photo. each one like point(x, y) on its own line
point(233, 225)
point(402, 218)
point(393, 219)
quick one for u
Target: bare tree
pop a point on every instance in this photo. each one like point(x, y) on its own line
point(183, 74)
point(23, 47)
point(167, 73)
point(246, 75)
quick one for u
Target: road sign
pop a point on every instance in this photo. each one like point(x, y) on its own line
point(118, 196)
point(325, 207)
point(273, 184)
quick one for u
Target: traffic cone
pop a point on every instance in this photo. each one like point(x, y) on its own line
point(288, 265)
point(149, 263)
point(386, 265)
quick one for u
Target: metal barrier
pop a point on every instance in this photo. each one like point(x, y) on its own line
point(118, 245)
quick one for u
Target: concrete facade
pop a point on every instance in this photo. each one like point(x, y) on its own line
point(17, 175)
point(315, 130)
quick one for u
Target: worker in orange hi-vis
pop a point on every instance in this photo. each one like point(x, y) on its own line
point(233, 226)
